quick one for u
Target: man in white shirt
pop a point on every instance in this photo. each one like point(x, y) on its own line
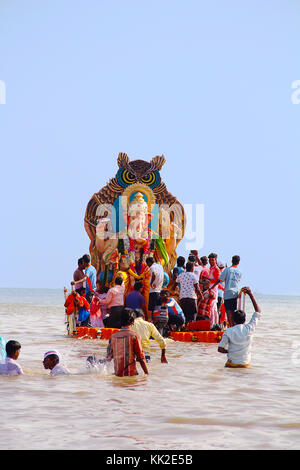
point(189, 292)
point(10, 366)
point(156, 283)
point(238, 338)
point(51, 361)
point(197, 267)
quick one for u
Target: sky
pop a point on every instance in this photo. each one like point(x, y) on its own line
point(207, 84)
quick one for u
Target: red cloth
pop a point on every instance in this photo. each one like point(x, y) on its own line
point(75, 301)
point(204, 306)
point(95, 307)
point(223, 313)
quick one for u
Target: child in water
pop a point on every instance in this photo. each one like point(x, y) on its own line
point(10, 366)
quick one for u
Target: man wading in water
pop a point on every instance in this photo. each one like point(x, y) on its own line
point(125, 347)
point(238, 338)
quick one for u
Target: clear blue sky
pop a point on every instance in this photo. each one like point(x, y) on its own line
point(208, 84)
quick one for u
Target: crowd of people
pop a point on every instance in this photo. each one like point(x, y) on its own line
point(205, 285)
point(200, 289)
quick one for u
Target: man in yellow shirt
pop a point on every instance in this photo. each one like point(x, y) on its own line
point(147, 330)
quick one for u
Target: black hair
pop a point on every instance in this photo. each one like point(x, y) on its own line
point(239, 317)
point(236, 259)
point(119, 280)
point(12, 347)
point(86, 258)
point(180, 261)
point(127, 316)
point(138, 285)
point(189, 266)
point(104, 290)
point(213, 255)
point(204, 260)
point(138, 313)
point(192, 258)
point(80, 261)
point(150, 260)
point(175, 274)
point(165, 291)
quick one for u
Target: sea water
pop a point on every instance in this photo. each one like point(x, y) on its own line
point(192, 402)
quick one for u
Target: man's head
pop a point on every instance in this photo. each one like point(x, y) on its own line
point(81, 263)
point(51, 358)
point(239, 317)
point(138, 285)
point(127, 316)
point(235, 260)
point(149, 261)
point(13, 349)
point(189, 267)
point(164, 295)
point(86, 260)
point(180, 261)
point(204, 260)
point(100, 288)
point(205, 282)
point(192, 259)
point(118, 281)
point(212, 258)
point(138, 313)
point(175, 273)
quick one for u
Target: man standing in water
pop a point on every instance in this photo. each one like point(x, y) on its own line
point(125, 347)
point(232, 277)
point(90, 276)
point(78, 276)
point(238, 338)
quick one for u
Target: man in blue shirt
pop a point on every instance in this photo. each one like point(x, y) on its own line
point(232, 277)
point(135, 300)
point(91, 278)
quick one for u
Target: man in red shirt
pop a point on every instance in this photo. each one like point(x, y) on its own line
point(213, 276)
point(125, 347)
point(206, 302)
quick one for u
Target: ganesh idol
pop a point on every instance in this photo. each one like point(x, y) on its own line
point(126, 253)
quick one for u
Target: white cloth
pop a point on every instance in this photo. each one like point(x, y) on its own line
point(187, 281)
point(197, 270)
point(59, 369)
point(214, 317)
point(238, 341)
point(158, 271)
point(10, 367)
point(51, 352)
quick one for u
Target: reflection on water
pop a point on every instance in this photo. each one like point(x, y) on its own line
point(192, 402)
